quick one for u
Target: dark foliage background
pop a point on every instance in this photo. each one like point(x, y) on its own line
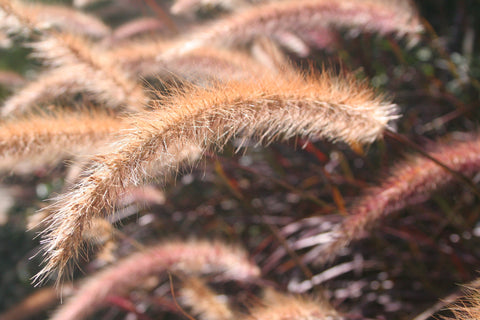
point(408, 263)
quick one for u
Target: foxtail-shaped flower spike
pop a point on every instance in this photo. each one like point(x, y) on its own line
point(191, 258)
point(47, 139)
point(45, 17)
point(59, 49)
point(203, 301)
point(410, 181)
point(268, 108)
point(297, 17)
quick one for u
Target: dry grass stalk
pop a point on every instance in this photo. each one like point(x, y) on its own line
point(411, 181)
point(110, 8)
point(100, 231)
point(265, 108)
point(208, 65)
point(298, 17)
point(65, 19)
point(203, 302)
point(47, 139)
point(137, 58)
point(194, 257)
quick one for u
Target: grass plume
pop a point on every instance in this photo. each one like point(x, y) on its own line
point(410, 181)
point(108, 82)
point(298, 17)
point(135, 28)
point(270, 109)
point(193, 257)
point(65, 82)
point(47, 139)
point(61, 49)
point(45, 17)
point(203, 302)
point(144, 59)
point(139, 60)
point(467, 308)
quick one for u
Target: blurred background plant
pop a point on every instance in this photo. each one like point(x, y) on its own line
point(274, 201)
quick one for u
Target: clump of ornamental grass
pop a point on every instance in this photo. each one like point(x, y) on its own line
point(190, 258)
point(254, 96)
point(268, 109)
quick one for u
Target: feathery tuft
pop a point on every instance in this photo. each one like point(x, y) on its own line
point(105, 80)
point(47, 139)
point(203, 302)
point(411, 181)
point(467, 308)
point(299, 17)
point(265, 108)
point(193, 257)
point(44, 17)
point(144, 59)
